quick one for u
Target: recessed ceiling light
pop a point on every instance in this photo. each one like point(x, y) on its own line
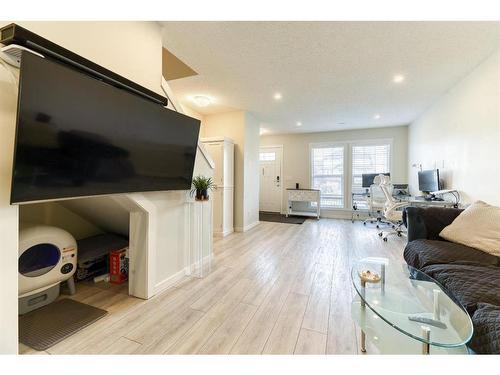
point(398, 78)
point(277, 96)
point(376, 117)
point(201, 100)
point(299, 123)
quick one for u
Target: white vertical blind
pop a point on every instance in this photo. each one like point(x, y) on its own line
point(369, 158)
point(327, 167)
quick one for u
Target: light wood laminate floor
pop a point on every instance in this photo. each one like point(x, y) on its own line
point(276, 289)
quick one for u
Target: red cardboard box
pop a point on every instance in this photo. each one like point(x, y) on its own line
point(118, 266)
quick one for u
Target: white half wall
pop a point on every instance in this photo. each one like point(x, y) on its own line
point(460, 135)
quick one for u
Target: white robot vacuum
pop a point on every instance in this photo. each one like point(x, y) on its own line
point(47, 257)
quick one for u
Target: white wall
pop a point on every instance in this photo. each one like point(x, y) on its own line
point(251, 191)
point(54, 213)
point(296, 158)
point(132, 49)
point(8, 217)
point(231, 125)
point(460, 135)
point(243, 129)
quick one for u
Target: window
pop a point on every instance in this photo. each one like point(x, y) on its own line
point(327, 174)
point(368, 158)
point(267, 156)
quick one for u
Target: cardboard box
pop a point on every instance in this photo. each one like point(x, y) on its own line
point(118, 266)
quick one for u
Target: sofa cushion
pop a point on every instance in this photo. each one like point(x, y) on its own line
point(486, 338)
point(428, 222)
point(422, 253)
point(469, 284)
point(478, 227)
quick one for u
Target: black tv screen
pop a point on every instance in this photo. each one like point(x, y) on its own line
point(428, 181)
point(77, 136)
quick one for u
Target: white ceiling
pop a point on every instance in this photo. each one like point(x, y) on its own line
point(332, 75)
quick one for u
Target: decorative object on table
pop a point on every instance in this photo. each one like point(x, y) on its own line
point(369, 277)
point(201, 186)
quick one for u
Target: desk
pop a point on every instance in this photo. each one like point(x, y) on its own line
point(360, 205)
point(415, 201)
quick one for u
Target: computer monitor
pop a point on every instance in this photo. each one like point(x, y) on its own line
point(369, 177)
point(428, 181)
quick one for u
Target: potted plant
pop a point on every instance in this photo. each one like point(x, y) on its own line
point(201, 186)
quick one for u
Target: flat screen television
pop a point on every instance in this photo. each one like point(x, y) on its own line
point(77, 136)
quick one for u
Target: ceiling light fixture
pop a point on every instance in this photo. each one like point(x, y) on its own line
point(398, 78)
point(277, 96)
point(377, 117)
point(201, 100)
point(263, 131)
point(299, 123)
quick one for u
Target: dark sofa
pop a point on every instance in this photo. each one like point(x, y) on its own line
point(470, 275)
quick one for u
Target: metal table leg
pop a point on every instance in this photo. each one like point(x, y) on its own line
point(426, 335)
point(363, 306)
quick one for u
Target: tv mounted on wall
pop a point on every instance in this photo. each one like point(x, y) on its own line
point(77, 136)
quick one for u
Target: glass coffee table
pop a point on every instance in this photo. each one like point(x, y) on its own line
point(403, 311)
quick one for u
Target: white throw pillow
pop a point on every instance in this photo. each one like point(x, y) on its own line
point(478, 226)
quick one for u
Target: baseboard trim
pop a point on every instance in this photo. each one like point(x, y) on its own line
point(170, 281)
point(223, 234)
point(247, 227)
point(341, 214)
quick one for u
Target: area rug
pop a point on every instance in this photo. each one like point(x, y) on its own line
point(278, 218)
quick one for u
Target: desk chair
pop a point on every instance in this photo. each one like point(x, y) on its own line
point(392, 210)
point(376, 201)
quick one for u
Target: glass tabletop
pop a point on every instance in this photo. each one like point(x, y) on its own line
point(411, 302)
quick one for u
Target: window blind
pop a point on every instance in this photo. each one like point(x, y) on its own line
point(327, 167)
point(372, 158)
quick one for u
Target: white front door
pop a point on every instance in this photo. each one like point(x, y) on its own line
point(270, 179)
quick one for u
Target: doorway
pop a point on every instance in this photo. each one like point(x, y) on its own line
point(270, 167)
